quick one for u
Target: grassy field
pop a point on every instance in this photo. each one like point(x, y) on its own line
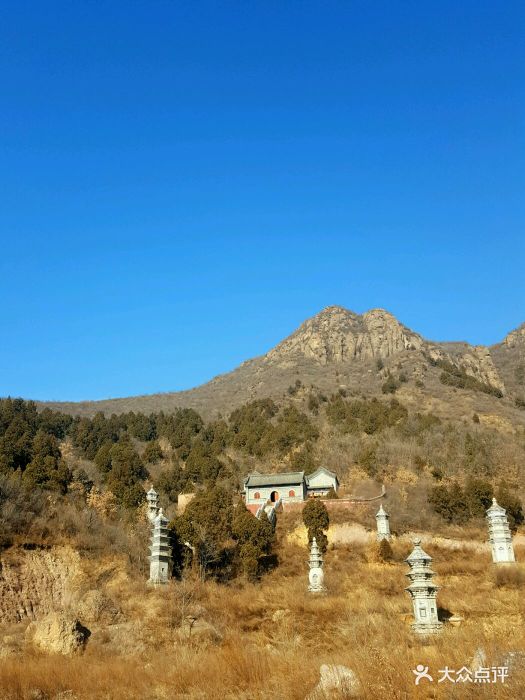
point(269, 639)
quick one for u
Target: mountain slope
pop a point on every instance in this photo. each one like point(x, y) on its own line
point(339, 349)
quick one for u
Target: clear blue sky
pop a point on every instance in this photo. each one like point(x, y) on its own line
point(183, 183)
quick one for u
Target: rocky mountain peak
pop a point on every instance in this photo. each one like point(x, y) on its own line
point(337, 334)
point(516, 337)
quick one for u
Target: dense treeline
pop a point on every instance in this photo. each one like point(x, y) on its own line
point(457, 504)
point(461, 462)
point(29, 444)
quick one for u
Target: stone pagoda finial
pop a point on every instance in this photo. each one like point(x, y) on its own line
point(383, 526)
point(499, 534)
point(422, 591)
point(316, 573)
point(152, 497)
point(160, 558)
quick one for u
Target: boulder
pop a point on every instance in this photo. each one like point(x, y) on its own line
point(198, 630)
point(58, 633)
point(479, 660)
point(335, 681)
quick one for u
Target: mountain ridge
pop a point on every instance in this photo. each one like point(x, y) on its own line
point(340, 348)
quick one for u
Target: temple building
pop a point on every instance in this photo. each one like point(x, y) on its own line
point(499, 534)
point(288, 487)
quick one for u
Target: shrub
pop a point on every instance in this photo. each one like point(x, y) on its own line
point(206, 525)
point(153, 452)
point(390, 386)
point(450, 503)
point(458, 378)
point(313, 404)
point(316, 520)
point(126, 473)
point(512, 505)
point(509, 576)
point(381, 551)
point(255, 537)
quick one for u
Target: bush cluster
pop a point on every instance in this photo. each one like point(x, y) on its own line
point(458, 378)
point(457, 504)
point(221, 540)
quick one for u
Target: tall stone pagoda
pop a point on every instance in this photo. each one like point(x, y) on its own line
point(316, 573)
point(499, 534)
point(152, 497)
point(422, 591)
point(383, 526)
point(160, 558)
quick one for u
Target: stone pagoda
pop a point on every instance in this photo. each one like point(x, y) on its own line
point(160, 558)
point(316, 573)
point(152, 497)
point(383, 526)
point(422, 591)
point(499, 534)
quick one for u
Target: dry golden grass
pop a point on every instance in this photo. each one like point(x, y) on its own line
point(275, 636)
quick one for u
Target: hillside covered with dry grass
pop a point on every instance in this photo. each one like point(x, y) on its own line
point(441, 426)
point(268, 639)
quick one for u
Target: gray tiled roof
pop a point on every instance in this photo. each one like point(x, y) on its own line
point(321, 470)
point(281, 479)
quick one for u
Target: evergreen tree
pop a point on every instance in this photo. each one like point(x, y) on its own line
point(512, 505)
point(316, 520)
point(153, 452)
point(127, 471)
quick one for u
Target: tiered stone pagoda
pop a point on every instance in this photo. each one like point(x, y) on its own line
point(160, 558)
point(316, 573)
point(152, 497)
point(383, 526)
point(499, 534)
point(422, 591)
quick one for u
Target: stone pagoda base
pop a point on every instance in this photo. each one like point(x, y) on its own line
point(427, 627)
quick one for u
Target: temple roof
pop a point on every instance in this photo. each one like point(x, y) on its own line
point(496, 508)
point(321, 470)
point(418, 553)
point(282, 479)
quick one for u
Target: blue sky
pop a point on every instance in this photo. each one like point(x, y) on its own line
point(183, 183)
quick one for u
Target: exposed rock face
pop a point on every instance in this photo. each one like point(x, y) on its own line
point(339, 335)
point(478, 362)
point(36, 582)
point(338, 342)
point(198, 630)
point(58, 633)
point(336, 682)
point(516, 338)
point(509, 359)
